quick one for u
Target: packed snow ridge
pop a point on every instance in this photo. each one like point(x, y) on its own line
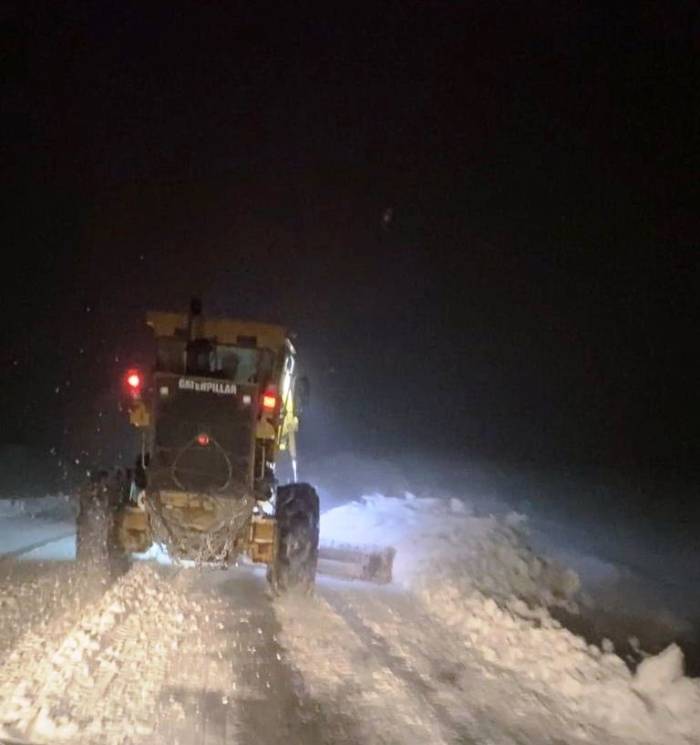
point(99, 678)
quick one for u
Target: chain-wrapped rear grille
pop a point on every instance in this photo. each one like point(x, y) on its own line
point(204, 436)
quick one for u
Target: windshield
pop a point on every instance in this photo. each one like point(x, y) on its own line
point(203, 357)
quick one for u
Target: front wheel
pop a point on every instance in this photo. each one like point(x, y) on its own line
point(297, 512)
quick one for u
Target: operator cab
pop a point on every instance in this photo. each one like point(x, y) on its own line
point(240, 363)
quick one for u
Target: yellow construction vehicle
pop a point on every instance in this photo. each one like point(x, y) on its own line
point(218, 415)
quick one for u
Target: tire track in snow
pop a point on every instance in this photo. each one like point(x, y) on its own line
point(195, 703)
point(392, 657)
point(340, 671)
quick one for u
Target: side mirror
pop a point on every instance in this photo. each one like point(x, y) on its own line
point(302, 393)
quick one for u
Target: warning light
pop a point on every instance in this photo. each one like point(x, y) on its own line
point(203, 439)
point(134, 380)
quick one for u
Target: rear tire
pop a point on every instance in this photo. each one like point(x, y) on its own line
point(96, 535)
point(297, 515)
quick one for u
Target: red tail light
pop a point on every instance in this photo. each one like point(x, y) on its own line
point(269, 399)
point(134, 383)
point(203, 439)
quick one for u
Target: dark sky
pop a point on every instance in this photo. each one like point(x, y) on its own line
point(480, 218)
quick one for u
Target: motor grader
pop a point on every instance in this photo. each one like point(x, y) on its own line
point(215, 478)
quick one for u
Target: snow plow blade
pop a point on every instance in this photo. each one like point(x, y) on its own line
point(370, 564)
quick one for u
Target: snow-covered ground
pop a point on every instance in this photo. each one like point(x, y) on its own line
point(34, 522)
point(466, 646)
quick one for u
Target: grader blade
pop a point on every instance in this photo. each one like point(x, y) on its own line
point(366, 563)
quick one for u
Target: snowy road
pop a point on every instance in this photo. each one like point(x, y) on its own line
point(451, 653)
point(197, 656)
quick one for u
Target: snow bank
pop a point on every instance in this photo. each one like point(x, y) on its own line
point(660, 682)
point(489, 591)
point(590, 686)
point(442, 538)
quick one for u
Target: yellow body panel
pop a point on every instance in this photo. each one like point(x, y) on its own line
point(133, 530)
point(262, 539)
point(224, 330)
point(138, 414)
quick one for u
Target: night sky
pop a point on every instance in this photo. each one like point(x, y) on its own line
point(480, 218)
